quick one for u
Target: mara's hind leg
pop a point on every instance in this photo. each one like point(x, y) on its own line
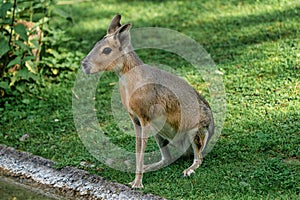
point(198, 144)
point(164, 151)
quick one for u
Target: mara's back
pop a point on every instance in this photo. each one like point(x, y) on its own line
point(155, 94)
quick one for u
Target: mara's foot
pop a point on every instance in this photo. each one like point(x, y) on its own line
point(137, 183)
point(155, 166)
point(187, 172)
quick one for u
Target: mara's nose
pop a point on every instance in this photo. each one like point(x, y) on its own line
point(85, 66)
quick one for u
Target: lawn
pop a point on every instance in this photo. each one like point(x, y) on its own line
point(255, 45)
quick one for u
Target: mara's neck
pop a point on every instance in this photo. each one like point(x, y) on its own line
point(130, 61)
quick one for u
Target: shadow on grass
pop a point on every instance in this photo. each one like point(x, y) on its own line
point(264, 162)
point(217, 35)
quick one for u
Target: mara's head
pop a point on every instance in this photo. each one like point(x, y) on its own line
point(108, 53)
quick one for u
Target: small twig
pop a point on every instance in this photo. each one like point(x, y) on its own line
point(31, 11)
point(12, 22)
point(76, 96)
point(71, 2)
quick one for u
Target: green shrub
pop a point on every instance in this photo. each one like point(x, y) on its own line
point(30, 51)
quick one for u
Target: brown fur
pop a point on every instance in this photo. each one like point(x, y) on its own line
point(154, 99)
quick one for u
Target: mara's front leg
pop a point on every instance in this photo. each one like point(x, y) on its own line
point(141, 141)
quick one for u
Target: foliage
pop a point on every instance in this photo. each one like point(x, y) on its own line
point(30, 46)
point(256, 46)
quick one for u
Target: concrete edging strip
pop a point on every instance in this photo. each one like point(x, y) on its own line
point(68, 182)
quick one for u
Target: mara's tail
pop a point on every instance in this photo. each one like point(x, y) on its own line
point(211, 128)
point(209, 142)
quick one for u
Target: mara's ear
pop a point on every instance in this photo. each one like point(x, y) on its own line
point(123, 34)
point(114, 24)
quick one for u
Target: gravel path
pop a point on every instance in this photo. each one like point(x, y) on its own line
point(66, 183)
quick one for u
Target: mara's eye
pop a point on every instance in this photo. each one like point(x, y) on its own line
point(106, 50)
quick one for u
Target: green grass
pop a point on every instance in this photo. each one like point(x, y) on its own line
point(254, 43)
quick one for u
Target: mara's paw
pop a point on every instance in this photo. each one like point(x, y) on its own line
point(136, 184)
point(154, 166)
point(187, 172)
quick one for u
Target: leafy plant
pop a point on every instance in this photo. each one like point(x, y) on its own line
point(29, 45)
